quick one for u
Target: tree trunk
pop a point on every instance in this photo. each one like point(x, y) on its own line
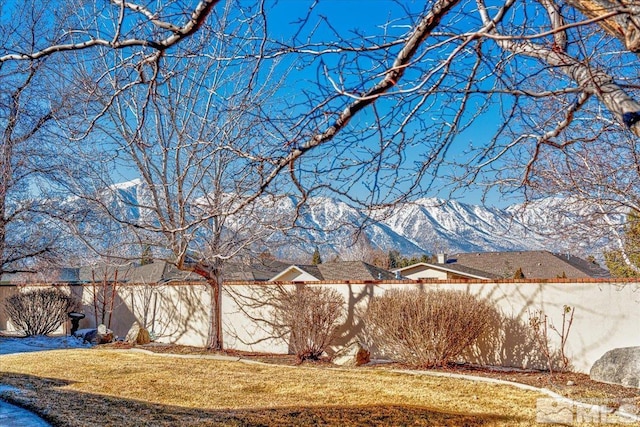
point(625, 25)
point(215, 331)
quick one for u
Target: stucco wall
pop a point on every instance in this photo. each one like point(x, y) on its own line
point(607, 314)
point(174, 313)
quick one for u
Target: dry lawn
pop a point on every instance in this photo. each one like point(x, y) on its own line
point(107, 387)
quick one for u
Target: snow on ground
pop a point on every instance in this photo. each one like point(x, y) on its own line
point(11, 345)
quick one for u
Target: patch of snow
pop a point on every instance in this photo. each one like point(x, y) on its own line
point(4, 388)
point(13, 345)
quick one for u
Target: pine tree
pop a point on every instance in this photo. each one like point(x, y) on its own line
point(394, 259)
point(316, 257)
point(615, 260)
point(146, 257)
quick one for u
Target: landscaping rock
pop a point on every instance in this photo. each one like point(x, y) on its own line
point(87, 335)
point(138, 335)
point(144, 337)
point(104, 335)
point(353, 354)
point(618, 366)
point(132, 335)
point(99, 335)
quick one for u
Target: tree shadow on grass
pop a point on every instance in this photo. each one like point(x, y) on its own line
point(62, 407)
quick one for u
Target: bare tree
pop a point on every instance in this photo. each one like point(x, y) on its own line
point(531, 79)
point(422, 78)
point(31, 99)
point(178, 94)
point(596, 188)
point(198, 137)
point(146, 31)
point(390, 111)
point(363, 250)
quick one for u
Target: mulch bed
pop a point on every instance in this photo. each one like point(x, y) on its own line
point(569, 384)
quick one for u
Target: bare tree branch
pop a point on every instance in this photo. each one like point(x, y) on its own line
point(624, 25)
point(179, 32)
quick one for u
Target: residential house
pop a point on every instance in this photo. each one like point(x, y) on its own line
point(506, 265)
point(340, 271)
point(154, 272)
point(442, 271)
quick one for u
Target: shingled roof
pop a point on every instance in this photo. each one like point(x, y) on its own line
point(154, 272)
point(534, 264)
point(353, 270)
point(260, 271)
point(339, 271)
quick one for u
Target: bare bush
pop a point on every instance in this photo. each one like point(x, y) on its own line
point(541, 326)
point(40, 311)
point(426, 329)
point(309, 316)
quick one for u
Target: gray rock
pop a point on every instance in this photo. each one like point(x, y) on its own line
point(618, 366)
point(87, 335)
point(353, 354)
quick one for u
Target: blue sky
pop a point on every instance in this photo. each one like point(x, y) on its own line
point(355, 20)
point(349, 17)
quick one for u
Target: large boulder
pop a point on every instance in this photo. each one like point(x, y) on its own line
point(353, 354)
point(618, 366)
point(138, 335)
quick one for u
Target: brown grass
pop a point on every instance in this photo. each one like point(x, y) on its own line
point(107, 387)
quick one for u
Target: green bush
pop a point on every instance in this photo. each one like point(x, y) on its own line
point(425, 329)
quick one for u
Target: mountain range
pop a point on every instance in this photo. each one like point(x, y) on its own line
point(424, 226)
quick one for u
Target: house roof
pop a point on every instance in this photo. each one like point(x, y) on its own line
point(353, 270)
point(154, 272)
point(457, 269)
point(157, 271)
point(534, 264)
point(340, 271)
point(258, 271)
point(54, 274)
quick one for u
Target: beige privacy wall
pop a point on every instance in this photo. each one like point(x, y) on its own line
point(174, 313)
point(607, 315)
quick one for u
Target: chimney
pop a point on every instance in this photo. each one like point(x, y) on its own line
point(442, 258)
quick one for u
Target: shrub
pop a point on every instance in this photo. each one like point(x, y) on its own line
point(425, 329)
point(308, 317)
point(542, 326)
point(39, 311)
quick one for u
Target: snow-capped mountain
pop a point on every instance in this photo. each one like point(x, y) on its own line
point(426, 225)
point(338, 228)
point(448, 225)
